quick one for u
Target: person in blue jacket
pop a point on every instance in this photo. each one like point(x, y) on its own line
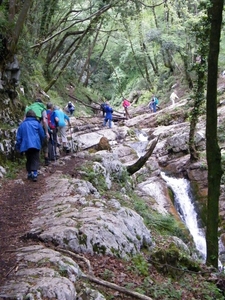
point(61, 119)
point(108, 115)
point(29, 138)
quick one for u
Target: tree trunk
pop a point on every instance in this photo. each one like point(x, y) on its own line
point(212, 148)
point(19, 25)
point(142, 160)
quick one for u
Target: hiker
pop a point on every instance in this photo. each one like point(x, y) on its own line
point(153, 103)
point(108, 115)
point(53, 141)
point(29, 138)
point(173, 97)
point(61, 118)
point(40, 110)
point(126, 104)
point(103, 106)
point(70, 108)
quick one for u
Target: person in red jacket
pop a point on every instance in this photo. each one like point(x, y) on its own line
point(126, 104)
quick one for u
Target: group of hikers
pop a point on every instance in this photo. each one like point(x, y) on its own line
point(43, 125)
point(41, 128)
point(107, 112)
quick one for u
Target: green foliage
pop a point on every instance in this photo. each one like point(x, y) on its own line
point(139, 265)
point(107, 275)
point(98, 180)
point(162, 224)
point(165, 291)
point(63, 271)
point(12, 168)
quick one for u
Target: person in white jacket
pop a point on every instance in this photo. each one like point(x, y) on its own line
point(173, 97)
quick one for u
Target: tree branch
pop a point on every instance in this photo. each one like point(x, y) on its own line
point(115, 287)
point(142, 160)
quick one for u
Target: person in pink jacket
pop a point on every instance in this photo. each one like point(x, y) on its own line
point(126, 104)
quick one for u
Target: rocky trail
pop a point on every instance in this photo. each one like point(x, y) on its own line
point(18, 207)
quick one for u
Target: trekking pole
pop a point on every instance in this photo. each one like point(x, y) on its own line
point(71, 139)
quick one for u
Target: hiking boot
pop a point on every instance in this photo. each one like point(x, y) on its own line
point(29, 176)
point(34, 176)
point(66, 149)
point(47, 162)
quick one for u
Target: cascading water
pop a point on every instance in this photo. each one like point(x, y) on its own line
point(186, 209)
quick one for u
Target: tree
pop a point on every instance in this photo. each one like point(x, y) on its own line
point(212, 148)
point(13, 20)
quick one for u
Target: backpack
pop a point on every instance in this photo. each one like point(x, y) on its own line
point(49, 117)
point(70, 105)
point(37, 107)
point(156, 101)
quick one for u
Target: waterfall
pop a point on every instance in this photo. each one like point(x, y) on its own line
point(186, 209)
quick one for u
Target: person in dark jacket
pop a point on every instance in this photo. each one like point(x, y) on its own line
point(52, 126)
point(70, 108)
point(108, 115)
point(29, 138)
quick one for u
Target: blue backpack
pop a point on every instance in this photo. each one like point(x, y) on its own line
point(156, 101)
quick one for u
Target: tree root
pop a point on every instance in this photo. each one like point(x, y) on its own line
point(116, 287)
point(94, 279)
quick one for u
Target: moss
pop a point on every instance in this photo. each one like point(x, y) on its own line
point(115, 252)
point(82, 238)
point(200, 201)
point(99, 249)
point(65, 241)
point(63, 272)
point(171, 261)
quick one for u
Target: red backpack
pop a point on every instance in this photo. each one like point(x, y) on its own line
point(49, 115)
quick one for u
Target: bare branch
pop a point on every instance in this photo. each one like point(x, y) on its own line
point(97, 13)
point(150, 6)
point(116, 287)
point(142, 160)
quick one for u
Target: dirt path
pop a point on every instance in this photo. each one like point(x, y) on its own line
point(18, 207)
point(18, 203)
